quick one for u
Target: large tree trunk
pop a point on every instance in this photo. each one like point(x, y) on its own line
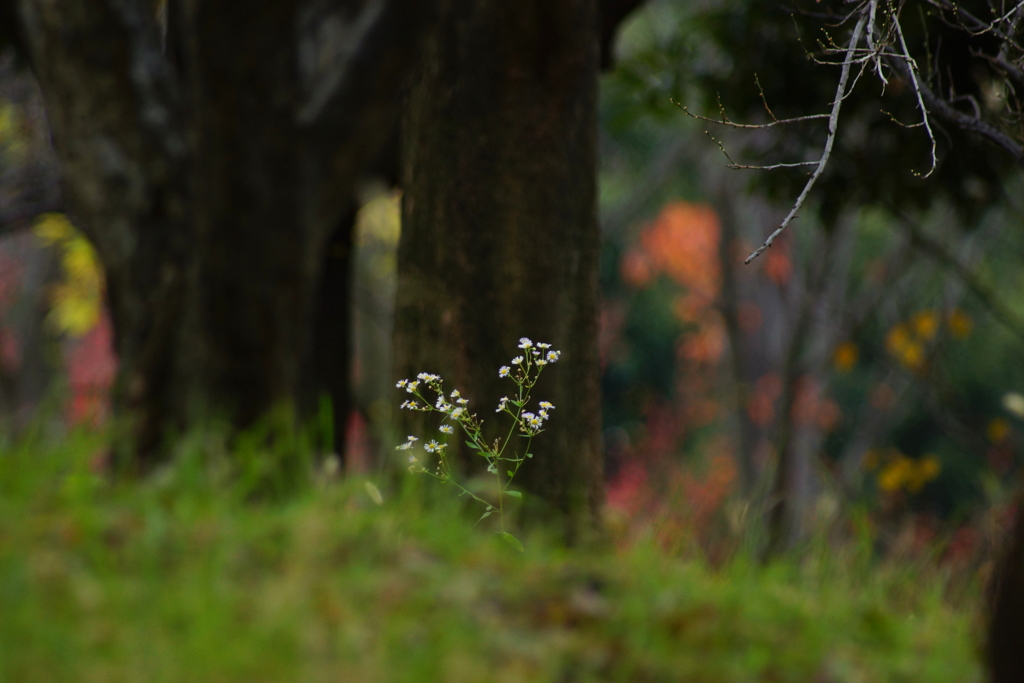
point(1006, 625)
point(499, 227)
point(211, 181)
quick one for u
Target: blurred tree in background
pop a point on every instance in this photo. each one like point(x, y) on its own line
point(210, 162)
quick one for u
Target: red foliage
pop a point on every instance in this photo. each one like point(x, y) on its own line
point(91, 367)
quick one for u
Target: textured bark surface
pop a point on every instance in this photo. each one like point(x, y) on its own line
point(211, 176)
point(1005, 651)
point(499, 226)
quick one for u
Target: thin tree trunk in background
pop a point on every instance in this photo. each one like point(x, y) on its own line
point(729, 262)
point(499, 225)
point(782, 517)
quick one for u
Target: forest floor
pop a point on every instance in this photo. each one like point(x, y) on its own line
point(186, 578)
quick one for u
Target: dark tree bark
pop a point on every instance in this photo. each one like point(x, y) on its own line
point(499, 226)
point(1005, 653)
point(328, 365)
point(210, 183)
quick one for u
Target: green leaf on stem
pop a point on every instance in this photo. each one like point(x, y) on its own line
point(511, 540)
point(374, 493)
point(514, 494)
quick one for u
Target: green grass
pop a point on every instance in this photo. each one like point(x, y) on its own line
point(186, 578)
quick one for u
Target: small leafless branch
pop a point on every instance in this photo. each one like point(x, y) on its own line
point(833, 122)
point(724, 121)
point(912, 70)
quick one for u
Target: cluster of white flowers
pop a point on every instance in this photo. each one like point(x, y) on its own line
point(524, 370)
point(532, 423)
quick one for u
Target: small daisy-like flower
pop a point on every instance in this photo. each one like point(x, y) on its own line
point(442, 405)
point(543, 345)
point(404, 447)
point(462, 402)
point(503, 372)
point(543, 414)
point(402, 384)
point(445, 429)
point(412, 386)
point(455, 393)
point(541, 362)
point(413, 459)
point(457, 412)
point(525, 343)
point(531, 422)
point(502, 403)
point(518, 360)
point(433, 447)
point(552, 356)
point(546, 405)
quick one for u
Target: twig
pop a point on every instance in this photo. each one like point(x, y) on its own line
point(912, 69)
point(833, 121)
point(732, 124)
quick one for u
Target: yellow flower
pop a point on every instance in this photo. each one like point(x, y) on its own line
point(845, 357)
point(925, 324)
point(929, 467)
point(894, 475)
point(997, 429)
point(897, 339)
point(959, 323)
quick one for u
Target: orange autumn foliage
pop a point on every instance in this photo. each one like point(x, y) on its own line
point(682, 242)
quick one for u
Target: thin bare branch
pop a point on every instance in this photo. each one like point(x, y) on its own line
point(970, 124)
point(912, 70)
point(833, 123)
point(754, 126)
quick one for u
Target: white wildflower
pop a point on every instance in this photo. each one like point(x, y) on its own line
point(518, 360)
point(503, 372)
point(445, 429)
point(525, 343)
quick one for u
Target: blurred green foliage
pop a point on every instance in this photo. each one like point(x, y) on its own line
point(186, 576)
point(931, 401)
